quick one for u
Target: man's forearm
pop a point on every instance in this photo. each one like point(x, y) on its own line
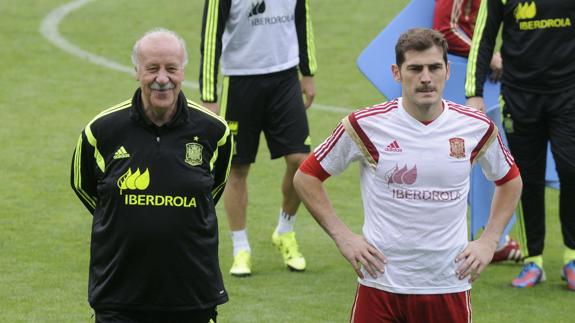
point(505, 201)
point(313, 195)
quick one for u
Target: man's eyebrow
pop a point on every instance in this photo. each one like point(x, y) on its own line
point(438, 64)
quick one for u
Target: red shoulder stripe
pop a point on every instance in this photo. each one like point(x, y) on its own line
point(376, 109)
point(364, 138)
point(322, 150)
point(482, 142)
point(470, 112)
point(508, 156)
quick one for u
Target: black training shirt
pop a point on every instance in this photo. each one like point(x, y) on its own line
point(538, 45)
point(152, 192)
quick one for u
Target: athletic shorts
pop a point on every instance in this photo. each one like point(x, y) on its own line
point(134, 316)
point(373, 305)
point(271, 103)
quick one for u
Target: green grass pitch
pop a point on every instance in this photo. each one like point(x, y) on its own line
point(47, 95)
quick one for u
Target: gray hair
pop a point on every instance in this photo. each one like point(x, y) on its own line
point(136, 48)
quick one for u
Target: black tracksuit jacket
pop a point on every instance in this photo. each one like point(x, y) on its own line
point(538, 45)
point(152, 193)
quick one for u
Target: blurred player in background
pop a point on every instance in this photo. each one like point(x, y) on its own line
point(260, 44)
point(538, 106)
point(455, 19)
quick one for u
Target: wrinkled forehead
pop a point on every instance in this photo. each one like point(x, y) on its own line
point(160, 47)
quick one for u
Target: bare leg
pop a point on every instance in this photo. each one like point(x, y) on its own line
point(291, 200)
point(236, 196)
point(235, 203)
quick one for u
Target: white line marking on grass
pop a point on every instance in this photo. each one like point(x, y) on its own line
point(49, 29)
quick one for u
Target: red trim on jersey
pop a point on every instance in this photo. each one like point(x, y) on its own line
point(508, 156)
point(364, 138)
point(511, 174)
point(470, 112)
point(482, 142)
point(328, 144)
point(476, 114)
point(312, 167)
point(376, 109)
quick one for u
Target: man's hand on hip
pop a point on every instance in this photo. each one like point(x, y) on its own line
point(359, 252)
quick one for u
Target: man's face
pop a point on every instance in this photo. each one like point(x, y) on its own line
point(422, 75)
point(160, 72)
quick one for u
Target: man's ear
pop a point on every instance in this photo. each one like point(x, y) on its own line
point(136, 73)
point(396, 73)
point(448, 67)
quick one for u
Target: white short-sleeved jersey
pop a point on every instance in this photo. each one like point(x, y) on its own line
point(260, 43)
point(414, 186)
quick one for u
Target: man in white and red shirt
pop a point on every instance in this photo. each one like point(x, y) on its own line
point(414, 261)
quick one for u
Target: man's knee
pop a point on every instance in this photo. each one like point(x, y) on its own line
point(238, 173)
point(294, 160)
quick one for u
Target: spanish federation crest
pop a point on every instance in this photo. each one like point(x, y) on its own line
point(194, 153)
point(457, 147)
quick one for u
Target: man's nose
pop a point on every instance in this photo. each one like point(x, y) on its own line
point(425, 75)
point(162, 77)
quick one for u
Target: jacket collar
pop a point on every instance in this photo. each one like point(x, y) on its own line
point(137, 111)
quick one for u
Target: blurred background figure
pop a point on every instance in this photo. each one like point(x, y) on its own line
point(538, 106)
point(260, 45)
point(455, 19)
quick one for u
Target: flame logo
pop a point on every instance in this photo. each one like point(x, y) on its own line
point(257, 9)
point(525, 11)
point(401, 175)
point(134, 181)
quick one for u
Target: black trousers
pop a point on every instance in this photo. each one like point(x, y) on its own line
point(530, 121)
point(135, 316)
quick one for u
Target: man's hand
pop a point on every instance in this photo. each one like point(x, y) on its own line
point(352, 246)
point(476, 102)
point(496, 66)
point(358, 251)
point(213, 106)
point(473, 260)
point(308, 89)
